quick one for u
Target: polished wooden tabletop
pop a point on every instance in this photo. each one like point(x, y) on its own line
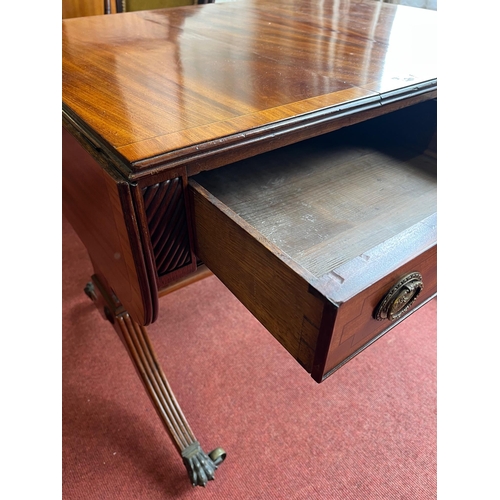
point(155, 86)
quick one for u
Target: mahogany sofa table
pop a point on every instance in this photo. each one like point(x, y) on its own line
point(289, 147)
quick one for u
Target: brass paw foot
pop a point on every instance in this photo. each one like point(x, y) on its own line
point(200, 466)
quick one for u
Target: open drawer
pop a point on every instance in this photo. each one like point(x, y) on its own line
point(330, 242)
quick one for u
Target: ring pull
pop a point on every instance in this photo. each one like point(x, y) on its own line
point(400, 298)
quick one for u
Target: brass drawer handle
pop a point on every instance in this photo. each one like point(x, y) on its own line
point(400, 297)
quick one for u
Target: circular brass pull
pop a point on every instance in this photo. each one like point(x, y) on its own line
point(400, 297)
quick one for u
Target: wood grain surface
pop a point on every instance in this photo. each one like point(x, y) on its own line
point(98, 205)
point(177, 84)
point(355, 328)
point(327, 200)
point(273, 288)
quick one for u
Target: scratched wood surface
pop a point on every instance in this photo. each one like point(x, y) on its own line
point(153, 83)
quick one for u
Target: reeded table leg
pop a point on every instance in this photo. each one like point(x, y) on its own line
point(200, 466)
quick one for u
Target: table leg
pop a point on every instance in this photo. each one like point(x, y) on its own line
point(200, 466)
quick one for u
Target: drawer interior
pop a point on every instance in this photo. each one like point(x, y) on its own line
point(328, 200)
point(320, 204)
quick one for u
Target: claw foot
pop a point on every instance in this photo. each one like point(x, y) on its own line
point(200, 466)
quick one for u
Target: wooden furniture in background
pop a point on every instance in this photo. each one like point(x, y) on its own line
point(81, 8)
point(288, 145)
point(135, 5)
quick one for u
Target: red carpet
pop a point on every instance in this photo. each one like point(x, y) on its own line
point(368, 432)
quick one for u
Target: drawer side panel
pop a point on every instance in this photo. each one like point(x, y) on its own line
point(273, 292)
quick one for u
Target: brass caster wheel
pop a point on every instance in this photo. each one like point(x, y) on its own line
point(218, 456)
point(90, 291)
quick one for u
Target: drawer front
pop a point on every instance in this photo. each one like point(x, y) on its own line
point(355, 325)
